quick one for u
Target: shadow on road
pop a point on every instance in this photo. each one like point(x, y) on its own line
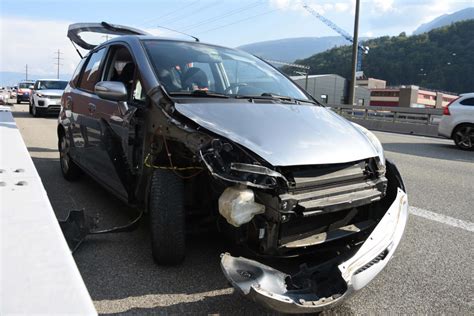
point(431, 150)
point(24, 114)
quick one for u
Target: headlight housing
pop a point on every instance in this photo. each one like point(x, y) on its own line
point(375, 143)
point(233, 164)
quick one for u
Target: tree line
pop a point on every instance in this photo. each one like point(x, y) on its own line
point(442, 59)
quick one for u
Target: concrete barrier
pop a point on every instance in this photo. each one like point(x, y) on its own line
point(416, 121)
point(38, 273)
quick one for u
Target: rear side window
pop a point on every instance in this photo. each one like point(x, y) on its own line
point(468, 101)
point(91, 73)
point(75, 76)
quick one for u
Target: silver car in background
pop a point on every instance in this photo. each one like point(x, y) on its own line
point(458, 121)
point(45, 97)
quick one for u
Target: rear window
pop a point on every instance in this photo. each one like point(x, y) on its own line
point(468, 101)
point(91, 73)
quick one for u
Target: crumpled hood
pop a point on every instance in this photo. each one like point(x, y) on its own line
point(51, 92)
point(283, 134)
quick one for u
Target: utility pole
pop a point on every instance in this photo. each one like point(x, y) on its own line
point(355, 44)
point(58, 61)
point(26, 72)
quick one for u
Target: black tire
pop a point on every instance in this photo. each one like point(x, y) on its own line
point(69, 169)
point(18, 101)
point(167, 218)
point(30, 109)
point(34, 110)
point(463, 136)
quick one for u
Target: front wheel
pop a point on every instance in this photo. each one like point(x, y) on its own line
point(34, 111)
point(463, 136)
point(167, 217)
point(69, 169)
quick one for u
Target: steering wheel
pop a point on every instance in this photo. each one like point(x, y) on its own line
point(234, 85)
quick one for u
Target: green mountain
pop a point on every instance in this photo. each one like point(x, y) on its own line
point(441, 59)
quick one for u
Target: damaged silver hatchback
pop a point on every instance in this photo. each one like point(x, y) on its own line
point(197, 134)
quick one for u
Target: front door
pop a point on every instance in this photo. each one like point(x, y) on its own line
point(116, 147)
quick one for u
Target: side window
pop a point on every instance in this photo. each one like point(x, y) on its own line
point(468, 101)
point(120, 67)
point(91, 73)
point(75, 76)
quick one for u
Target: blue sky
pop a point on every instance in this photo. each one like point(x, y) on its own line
point(34, 29)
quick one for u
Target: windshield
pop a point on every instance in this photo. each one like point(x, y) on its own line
point(53, 84)
point(184, 68)
point(25, 85)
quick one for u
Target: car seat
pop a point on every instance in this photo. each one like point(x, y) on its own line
point(193, 77)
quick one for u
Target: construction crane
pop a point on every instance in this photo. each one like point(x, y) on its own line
point(361, 48)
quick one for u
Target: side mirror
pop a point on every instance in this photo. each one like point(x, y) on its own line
point(31, 87)
point(111, 90)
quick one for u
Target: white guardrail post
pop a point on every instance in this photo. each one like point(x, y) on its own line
point(38, 274)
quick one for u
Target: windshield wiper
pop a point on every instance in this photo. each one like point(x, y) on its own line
point(272, 96)
point(200, 93)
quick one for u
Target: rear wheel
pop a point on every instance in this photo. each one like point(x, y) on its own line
point(167, 217)
point(463, 136)
point(69, 169)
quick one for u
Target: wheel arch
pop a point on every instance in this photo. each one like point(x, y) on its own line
point(459, 124)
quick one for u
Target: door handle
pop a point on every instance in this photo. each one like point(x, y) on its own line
point(91, 107)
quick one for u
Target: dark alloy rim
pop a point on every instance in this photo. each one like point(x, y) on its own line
point(465, 137)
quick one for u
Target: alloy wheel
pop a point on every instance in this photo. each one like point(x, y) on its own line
point(464, 137)
point(64, 154)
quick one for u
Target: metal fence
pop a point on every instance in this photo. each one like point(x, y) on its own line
point(420, 121)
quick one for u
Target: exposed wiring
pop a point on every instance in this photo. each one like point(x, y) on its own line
point(132, 225)
point(171, 165)
point(148, 164)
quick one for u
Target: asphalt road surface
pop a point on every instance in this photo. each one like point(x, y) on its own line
point(431, 272)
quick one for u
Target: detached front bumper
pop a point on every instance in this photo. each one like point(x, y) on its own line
point(325, 285)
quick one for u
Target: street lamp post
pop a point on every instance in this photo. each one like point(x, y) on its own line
point(355, 44)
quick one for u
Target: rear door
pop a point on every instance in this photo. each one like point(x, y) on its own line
point(82, 99)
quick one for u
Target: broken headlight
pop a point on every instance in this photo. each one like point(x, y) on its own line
point(233, 164)
point(375, 143)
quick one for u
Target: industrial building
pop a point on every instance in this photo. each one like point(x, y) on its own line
point(405, 95)
point(331, 89)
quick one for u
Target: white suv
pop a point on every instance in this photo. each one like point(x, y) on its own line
point(46, 96)
point(458, 121)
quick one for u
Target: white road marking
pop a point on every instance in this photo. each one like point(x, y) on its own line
point(444, 219)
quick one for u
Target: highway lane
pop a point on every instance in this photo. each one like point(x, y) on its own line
point(431, 271)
